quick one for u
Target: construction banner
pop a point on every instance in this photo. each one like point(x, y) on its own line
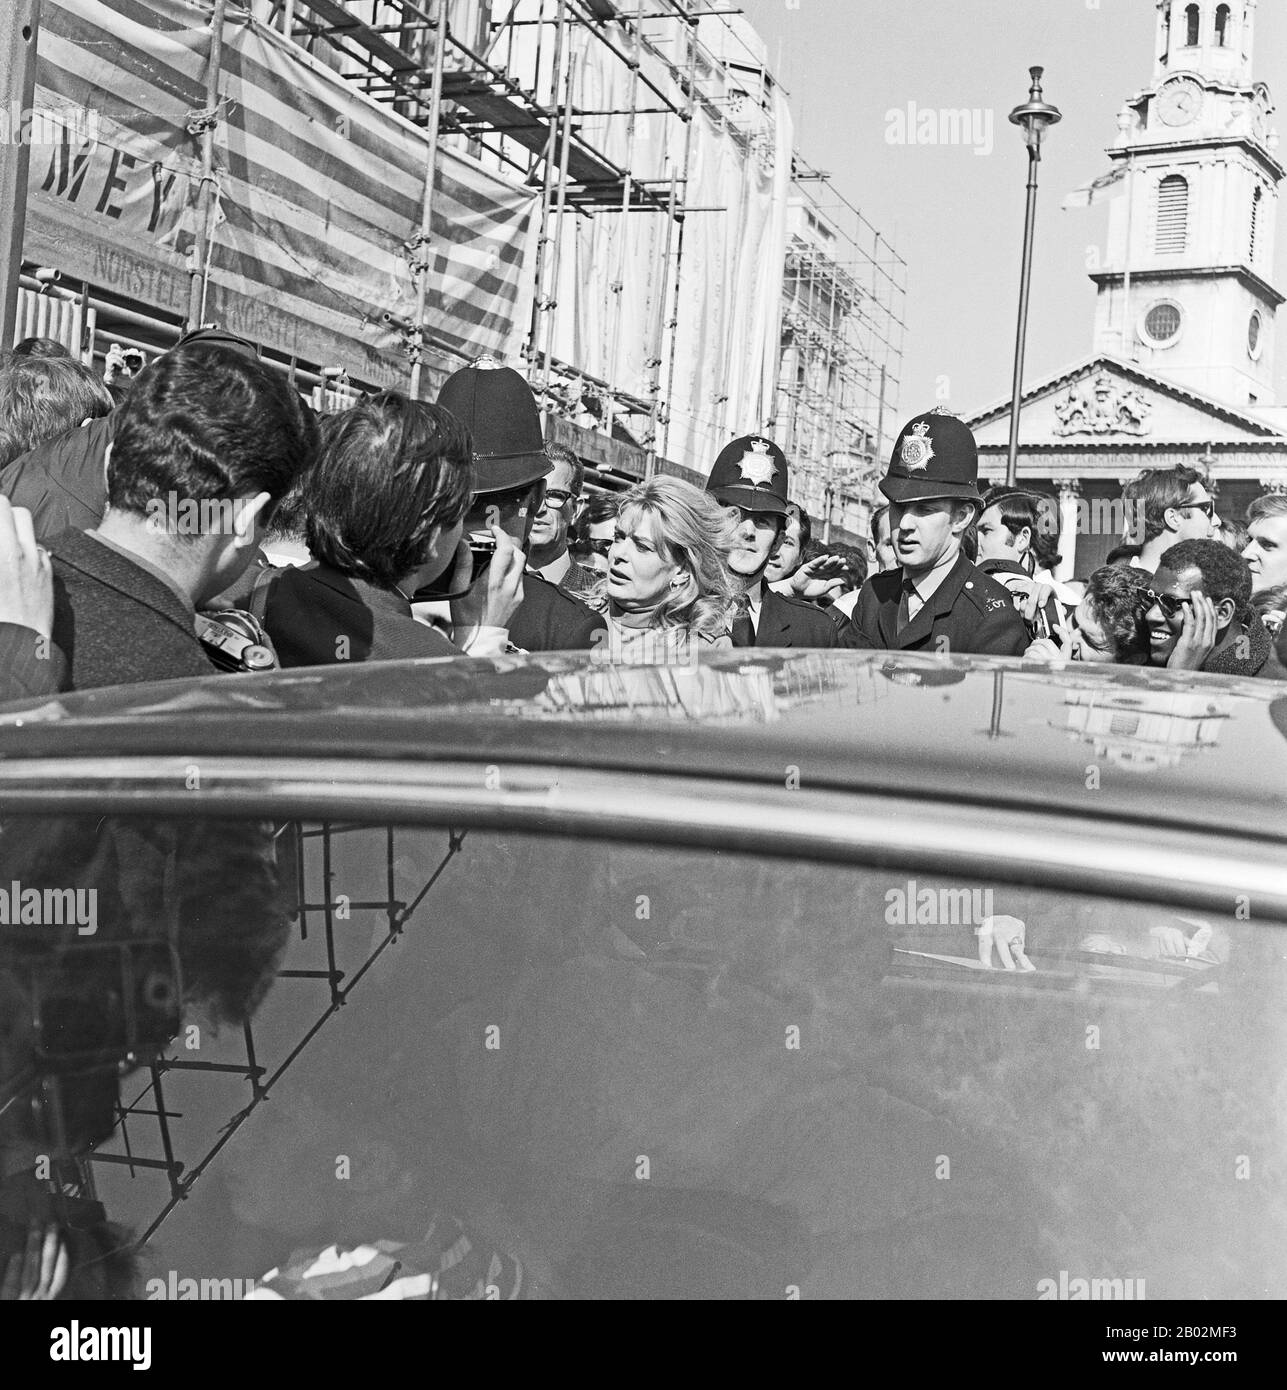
point(317, 191)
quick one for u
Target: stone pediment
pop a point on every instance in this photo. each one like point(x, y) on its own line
point(1106, 402)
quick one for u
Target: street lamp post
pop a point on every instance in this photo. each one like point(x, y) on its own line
point(1034, 116)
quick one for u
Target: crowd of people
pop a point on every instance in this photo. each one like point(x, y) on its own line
point(201, 515)
point(198, 516)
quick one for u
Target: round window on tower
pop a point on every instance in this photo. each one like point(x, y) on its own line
point(1254, 326)
point(1161, 324)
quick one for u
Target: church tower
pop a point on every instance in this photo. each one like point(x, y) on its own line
point(1185, 291)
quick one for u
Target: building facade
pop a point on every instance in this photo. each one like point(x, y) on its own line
point(1182, 367)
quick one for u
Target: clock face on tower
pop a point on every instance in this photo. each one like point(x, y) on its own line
point(1179, 102)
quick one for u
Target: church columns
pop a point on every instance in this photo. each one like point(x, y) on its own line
point(1069, 520)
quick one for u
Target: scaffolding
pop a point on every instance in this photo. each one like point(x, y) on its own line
point(508, 87)
point(842, 342)
point(597, 108)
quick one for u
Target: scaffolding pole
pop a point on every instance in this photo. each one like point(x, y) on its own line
point(19, 36)
point(421, 260)
point(547, 185)
point(204, 123)
point(687, 118)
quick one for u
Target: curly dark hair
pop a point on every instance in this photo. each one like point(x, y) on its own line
point(1116, 595)
point(1225, 574)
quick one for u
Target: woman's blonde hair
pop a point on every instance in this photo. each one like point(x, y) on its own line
point(693, 531)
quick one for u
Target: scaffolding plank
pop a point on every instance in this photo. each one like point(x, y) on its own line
point(529, 127)
point(344, 21)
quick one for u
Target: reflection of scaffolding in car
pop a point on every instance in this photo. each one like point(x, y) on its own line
point(150, 1103)
point(842, 344)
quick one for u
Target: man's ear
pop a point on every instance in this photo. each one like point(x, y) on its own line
point(1224, 610)
point(1168, 518)
point(247, 512)
point(1019, 543)
point(107, 464)
point(963, 516)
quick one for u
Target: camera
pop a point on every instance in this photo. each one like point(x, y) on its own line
point(235, 641)
point(482, 546)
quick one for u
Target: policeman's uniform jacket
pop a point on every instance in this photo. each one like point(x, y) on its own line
point(793, 622)
point(549, 620)
point(968, 612)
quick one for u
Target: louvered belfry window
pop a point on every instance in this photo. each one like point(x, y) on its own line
point(1172, 215)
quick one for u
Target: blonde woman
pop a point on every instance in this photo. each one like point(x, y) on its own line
point(668, 595)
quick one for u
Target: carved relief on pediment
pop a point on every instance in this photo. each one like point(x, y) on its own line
point(1102, 405)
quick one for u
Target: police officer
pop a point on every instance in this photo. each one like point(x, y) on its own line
point(510, 465)
point(750, 476)
point(936, 600)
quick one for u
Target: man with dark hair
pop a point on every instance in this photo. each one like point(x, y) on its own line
point(40, 347)
point(44, 397)
point(936, 601)
point(1108, 623)
point(1173, 505)
point(384, 509)
point(63, 482)
point(880, 544)
point(750, 478)
point(548, 544)
point(1200, 616)
point(206, 445)
point(498, 409)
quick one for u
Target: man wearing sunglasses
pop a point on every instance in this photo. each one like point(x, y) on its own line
point(548, 544)
point(1199, 614)
point(1171, 505)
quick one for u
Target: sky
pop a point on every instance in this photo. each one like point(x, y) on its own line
point(955, 216)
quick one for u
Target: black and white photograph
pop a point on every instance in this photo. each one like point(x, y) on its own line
point(551, 553)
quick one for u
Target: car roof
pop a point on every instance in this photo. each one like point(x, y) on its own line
point(1163, 748)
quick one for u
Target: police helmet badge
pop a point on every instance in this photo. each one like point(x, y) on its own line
point(917, 450)
point(756, 465)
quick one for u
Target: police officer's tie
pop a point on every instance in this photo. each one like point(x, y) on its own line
point(743, 627)
point(904, 604)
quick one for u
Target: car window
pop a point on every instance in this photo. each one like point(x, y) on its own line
point(622, 1069)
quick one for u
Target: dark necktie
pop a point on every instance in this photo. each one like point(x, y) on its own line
point(904, 604)
point(743, 628)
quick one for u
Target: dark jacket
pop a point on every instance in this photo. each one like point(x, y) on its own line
point(29, 665)
point(793, 622)
point(1251, 653)
point(316, 616)
point(968, 612)
point(116, 623)
point(62, 482)
point(548, 620)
